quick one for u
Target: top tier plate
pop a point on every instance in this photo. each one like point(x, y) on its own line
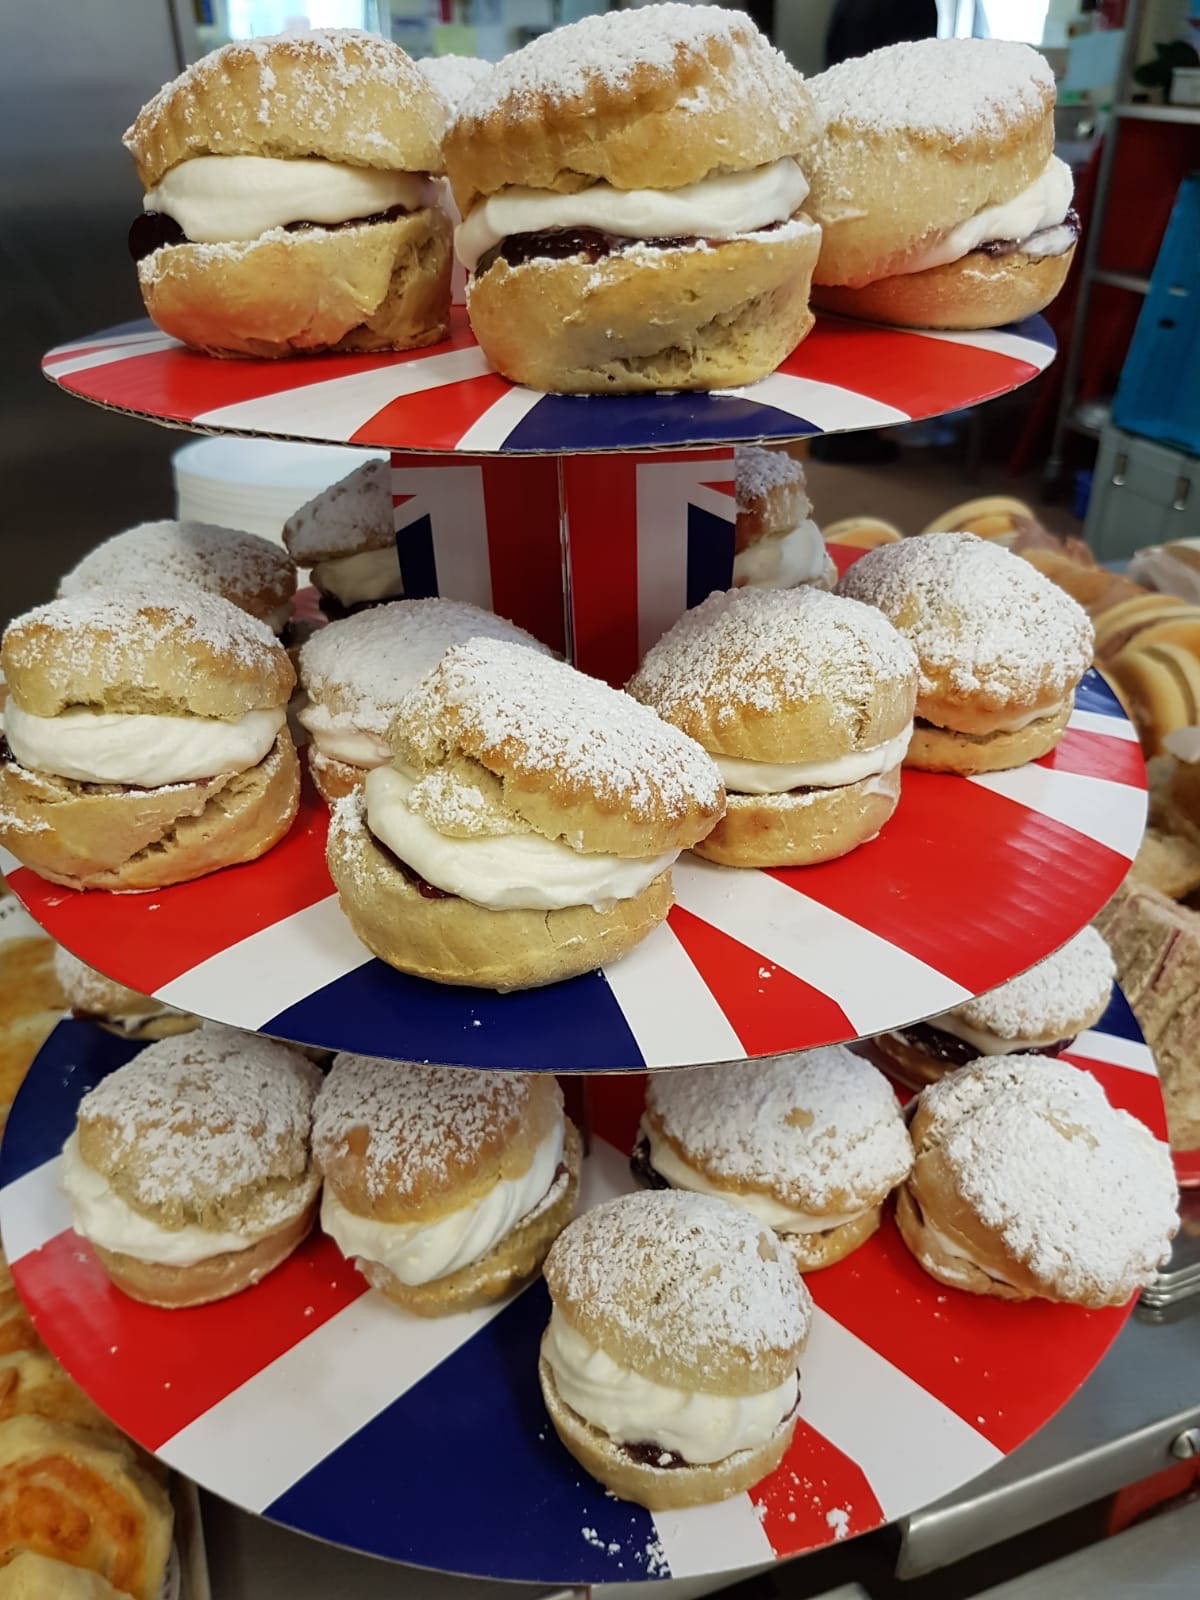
point(844, 376)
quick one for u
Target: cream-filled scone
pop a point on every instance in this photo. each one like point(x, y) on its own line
point(147, 730)
point(290, 203)
point(347, 536)
point(632, 190)
point(669, 1366)
point(1028, 1184)
point(805, 702)
point(1001, 648)
point(940, 199)
point(253, 573)
point(94, 998)
point(1040, 1013)
point(526, 827)
point(356, 672)
point(811, 1144)
point(445, 1187)
point(189, 1170)
point(777, 544)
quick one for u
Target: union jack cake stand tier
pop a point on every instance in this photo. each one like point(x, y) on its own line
point(315, 1402)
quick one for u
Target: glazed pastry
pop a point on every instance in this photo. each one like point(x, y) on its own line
point(1147, 619)
point(92, 997)
point(445, 1187)
point(32, 1384)
point(356, 672)
point(1160, 686)
point(805, 702)
point(347, 535)
point(1040, 1013)
point(289, 201)
point(1028, 1184)
point(148, 735)
point(811, 1144)
point(525, 830)
point(864, 533)
point(16, 1330)
point(994, 516)
point(1001, 648)
point(669, 1364)
point(1170, 568)
point(189, 1170)
point(31, 1007)
point(632, 193)
point(253, 573)
point(777, 544)
point(29, 1576)
point(940, 199)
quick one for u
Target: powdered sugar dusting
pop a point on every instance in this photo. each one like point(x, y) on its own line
point(87, 989)
point(224, 560)
point(454, 77)
point(1049, 1001)
point(820, 1131)
point(759, 470)
point(352, 515)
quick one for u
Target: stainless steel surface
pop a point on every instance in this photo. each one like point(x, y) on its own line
point(1156, 1560)
point(1186, 1444)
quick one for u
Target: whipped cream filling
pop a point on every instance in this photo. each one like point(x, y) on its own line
point(700, 1427)
point(224, 199)
point(781, 563)
point(1042, 206)
point(338, 737)
point(1013, 724)
point(783, 1218)
point(366, 575)
point(987, 1043)
point(504, 872)
point(419, 1252)
point(99, 1214)
point(957, 1253)
point(718, 207)
point(771, 777)
point(278, 619)
point(143, 751)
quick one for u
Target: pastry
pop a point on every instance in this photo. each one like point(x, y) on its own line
point(356, 672)
point(995, 516)
point(805, 702)
point(92, 997)
point(289, 204)
point(189, 1169)
point(148, 738)
point(1096, 588)
point(446, 1188)
point(31, 1007)
point(631, 188)
point(253, 573)
point(32, 1384)
point(777, 544)
point(863, 533)
point(1147, 619)
point(669, 1364)
point(811, 1144)
point(940, 199)
point(29, 1576)
point(17, 1332)
point(1028, 1184)
point(454, 77)
point(347, 535)
point(1040, 1013)
point(525, 830)
point(1160, 686)
point(1169, 568)
point(69, 1496)
point(1001, 648)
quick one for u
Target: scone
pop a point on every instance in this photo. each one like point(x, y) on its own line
point(254, 573)
point(189, 1170)
point(356, 672)
point(631, 188)
point(777, 544)
point(446, 1188)
point(1001, 648)
point(94, 998)
point(526, 828)
point(1027, 1184)
point(940, 199)
point(1040, 1013)
point(811, 1144)
point(347, 535)
point(289, 199)
point(148, 736)
point(805, 702)
point(454, 77)
point(669, 1364)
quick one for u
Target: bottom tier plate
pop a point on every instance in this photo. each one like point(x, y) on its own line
point(315, 1402)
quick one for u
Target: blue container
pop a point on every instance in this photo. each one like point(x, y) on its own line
point(1082, 496)
point(1159, 392)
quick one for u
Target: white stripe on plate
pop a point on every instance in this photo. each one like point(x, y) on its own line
point(863, 1404)
point(1116, 727)
point(713, 1538)
point(669, 1007)
point(338, 407)
point(490, 431)
point(1114, 814)
point(107, 356)
point(103, 341)
point(827, 404)
point(8, 861)
point(821, 946)
point(257, 978)
point(33, 1210)
point(1114, 1051)
point(1005, 344)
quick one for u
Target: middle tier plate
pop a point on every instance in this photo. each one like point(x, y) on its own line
point(971, 882)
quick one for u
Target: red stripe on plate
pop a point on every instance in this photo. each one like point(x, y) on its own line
point(525, 544)
point(614, 1107)
point(159, 1370)
point(438, 417)
point(760, 1000)
point(1139, 1093)
point(1097, 755)
point(146, 940)
point(844, 556)
point(966, 858)
point(601, 505)
point(814, 1490)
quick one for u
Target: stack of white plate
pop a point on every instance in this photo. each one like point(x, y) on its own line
point(256, 484)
